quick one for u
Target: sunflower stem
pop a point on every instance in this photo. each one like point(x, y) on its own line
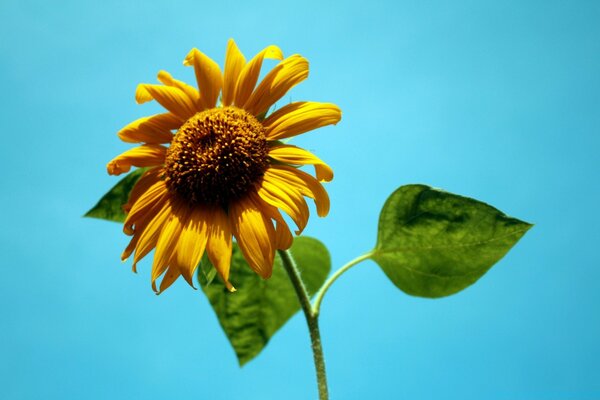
point(311, 319)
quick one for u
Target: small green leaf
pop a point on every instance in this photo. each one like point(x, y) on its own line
point(433, 243)
point(110, 206)
point(251, 315)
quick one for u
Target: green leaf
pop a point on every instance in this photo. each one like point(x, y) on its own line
point(251, 315)
point(110, 206)
point(433, 243)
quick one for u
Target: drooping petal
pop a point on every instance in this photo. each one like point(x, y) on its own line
point(148, 179)
point(254, 233)
point(154, 129)
point(297, 156)
point(218, 247)
point(130, 247)
point(146, 155)
point(151, 233)
point(276, 83)
point(300, 117)
point(249, 74)
point(285, 197)
point(190, 91)
point(167, 241)
point(137, 222)
point(305, 183)
point(234, 63)
point(208, 76)
point(283, 235)
point(141, 224)
point(173, 99)
point(147, 203)
point(192, 243)
point(168, 279)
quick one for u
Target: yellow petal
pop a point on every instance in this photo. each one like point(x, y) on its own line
point(255, 235)
point(234, 63)
point(283, 235)
point(296, 118)
point(276, 83)
point(166, 78)
point(146, 155)
point(150, 204)
point(249, 74)
point(167, 241)
point(147, 202)
point(208, 76)
point(173, 99)
point(287, 198)
point(147, 179)
point(129, 249)
point(303, 182)
point(192, 243)
point(154, 129)
point(218, 247)
point(151, 233)
point(297, 156)
point(168, 279)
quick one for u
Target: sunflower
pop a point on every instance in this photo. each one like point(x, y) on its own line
point(225, 173)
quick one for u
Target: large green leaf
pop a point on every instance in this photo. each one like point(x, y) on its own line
point(110, 206)
point(433, 243)
point(251, 315)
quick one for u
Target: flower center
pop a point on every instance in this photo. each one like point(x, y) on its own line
point(216, 156)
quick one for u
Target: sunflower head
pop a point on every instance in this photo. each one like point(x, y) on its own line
point(216, 156)
point(218, 171)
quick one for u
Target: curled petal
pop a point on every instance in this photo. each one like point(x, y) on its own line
point(286, 198)
point(147, 204)
point(172, 98)
point(146, 155)
point(297, 156)
point(208, 76)
point(287, 74)
point(249, 74)
point(168, 279)
point(154, 129)
point(300, 117)
point(129, 249)
point(147, 180)
point(167, 241)
point(190, 91)
point(304, 183)
point(151, 233)
point(138, 226)
point(283, 235)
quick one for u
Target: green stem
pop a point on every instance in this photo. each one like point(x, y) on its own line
point(319, 296)
point(311, 319)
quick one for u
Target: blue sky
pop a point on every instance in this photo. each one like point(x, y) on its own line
point(493, 100)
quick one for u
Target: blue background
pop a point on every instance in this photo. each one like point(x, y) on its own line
point(493, 100)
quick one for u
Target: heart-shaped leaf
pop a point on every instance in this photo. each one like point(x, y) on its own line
point(433, 243)
point(251, 315)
